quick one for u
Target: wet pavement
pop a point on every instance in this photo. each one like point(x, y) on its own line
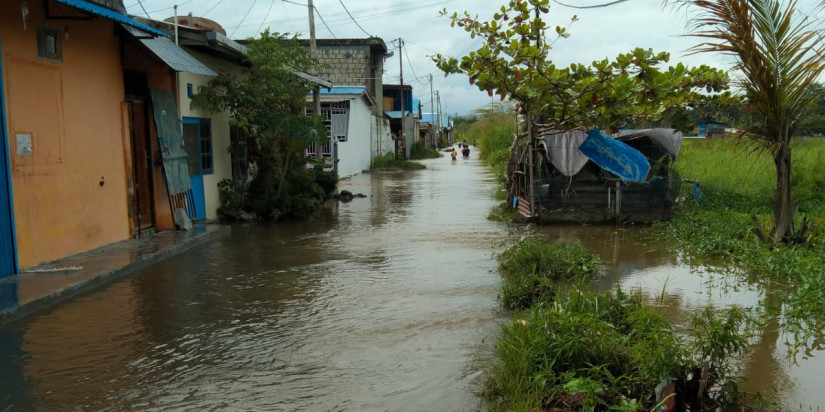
point(48, 284)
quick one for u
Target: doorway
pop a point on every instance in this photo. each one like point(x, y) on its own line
point(8, 256)
point(141, 199)
point(197, 141)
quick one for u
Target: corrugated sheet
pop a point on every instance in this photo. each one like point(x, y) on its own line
point(111, 14)
point(175, 57)
point(171, 141)
point(396, 114)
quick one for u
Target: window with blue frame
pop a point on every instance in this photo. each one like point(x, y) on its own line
point(197, 140)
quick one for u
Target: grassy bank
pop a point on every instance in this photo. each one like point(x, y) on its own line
point(388, 161)
point(420, 151)
point(573, 349)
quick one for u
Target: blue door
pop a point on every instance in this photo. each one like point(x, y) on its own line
point(197, 140)
point(8, 257)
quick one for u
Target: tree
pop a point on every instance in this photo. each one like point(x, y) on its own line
point(266, 104)
point(513, 62)
point(779, 56)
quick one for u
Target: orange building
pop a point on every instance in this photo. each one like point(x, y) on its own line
point(84, 164)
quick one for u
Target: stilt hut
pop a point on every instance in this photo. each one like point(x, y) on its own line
point(588, 176)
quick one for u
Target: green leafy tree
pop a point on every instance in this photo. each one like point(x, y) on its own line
point(779, 56)
point(513, 62)
point(266, 104)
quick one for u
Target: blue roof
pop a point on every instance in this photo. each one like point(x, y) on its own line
point(111, 14)
point(429, 118)
point(416, 105)
point(356, 90)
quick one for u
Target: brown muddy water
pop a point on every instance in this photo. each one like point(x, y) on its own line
point(387, 302)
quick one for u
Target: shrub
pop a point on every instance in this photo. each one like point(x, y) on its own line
point(419, 150)
point(231, 195)
point(609, 351)
point(388, 161)
point(532, 269)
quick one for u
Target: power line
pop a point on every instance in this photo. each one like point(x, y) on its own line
point(322, 21)
point(212, 8)
point(589, 7)
point(144, 9)
point(170, 8)
point(353, 18)
point(272, 3)
point(244, 17)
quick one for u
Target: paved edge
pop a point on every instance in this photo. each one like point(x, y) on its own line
point(106, 277)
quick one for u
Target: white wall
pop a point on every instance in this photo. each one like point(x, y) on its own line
point(222, 161)
point(381, 137)
point(355, 154)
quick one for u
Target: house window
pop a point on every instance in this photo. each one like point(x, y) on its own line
point(49, 43)
point(189, 90)
point(197, 140)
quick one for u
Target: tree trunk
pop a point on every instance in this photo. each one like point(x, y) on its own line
point(783, 208)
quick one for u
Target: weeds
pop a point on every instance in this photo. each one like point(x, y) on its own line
point(600, 351)
point(533, 268)
point(388, 161)
point(419, 150)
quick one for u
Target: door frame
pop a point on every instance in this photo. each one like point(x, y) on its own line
point(130, 100)
point(6, 181)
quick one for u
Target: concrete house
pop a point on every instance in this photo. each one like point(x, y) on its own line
point(408, 119)
point(358, 63)
point(89, 129)
point(347, 112)
point(215, 151)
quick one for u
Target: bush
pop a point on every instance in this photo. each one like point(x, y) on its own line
point(533, 268)
point(609, 351)
point(419, 150)
point(388, 161)
point(231, 195)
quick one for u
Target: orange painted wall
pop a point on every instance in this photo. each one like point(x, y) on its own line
point(73, 111)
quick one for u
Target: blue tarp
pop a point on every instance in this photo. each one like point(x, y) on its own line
point(610, 154)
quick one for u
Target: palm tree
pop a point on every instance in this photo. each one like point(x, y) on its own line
point(779, 56)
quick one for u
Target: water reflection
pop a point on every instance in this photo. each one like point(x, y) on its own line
point(386, 302)
point(683, 289)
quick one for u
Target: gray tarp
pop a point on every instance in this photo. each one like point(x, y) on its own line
point(562, 149)
point(171, 141)
point(669, 140)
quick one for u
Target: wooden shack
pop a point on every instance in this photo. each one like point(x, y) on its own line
point(561, 176)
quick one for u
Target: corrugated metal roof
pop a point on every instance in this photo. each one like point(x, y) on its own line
point(111, 14)
point(175, 57)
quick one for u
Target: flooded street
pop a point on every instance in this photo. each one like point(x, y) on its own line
point(387, 303)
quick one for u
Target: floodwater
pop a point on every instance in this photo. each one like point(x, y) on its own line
point(634, 262)
point(387, 302)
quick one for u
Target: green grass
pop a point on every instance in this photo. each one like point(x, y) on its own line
point(736, 184)
point(420, 151)
point(388, 161)
point(600, 351)
point(533, 268)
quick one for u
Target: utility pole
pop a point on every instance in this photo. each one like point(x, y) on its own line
point(316, 90)
point(438, 99)
point(434, 137)
point(401, 93)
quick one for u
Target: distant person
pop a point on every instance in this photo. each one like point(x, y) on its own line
point(453, 154)
point(466, 152)
point(474, 142)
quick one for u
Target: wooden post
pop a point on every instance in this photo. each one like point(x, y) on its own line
point(618, 203)
point(530, 132)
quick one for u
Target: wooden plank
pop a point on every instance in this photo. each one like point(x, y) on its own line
point(524, 207)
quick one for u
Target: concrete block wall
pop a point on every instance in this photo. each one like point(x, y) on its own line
point(346, 65)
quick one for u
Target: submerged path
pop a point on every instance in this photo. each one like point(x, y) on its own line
point(385, 303)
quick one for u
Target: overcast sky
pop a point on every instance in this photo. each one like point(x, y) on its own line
point(599, 33)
